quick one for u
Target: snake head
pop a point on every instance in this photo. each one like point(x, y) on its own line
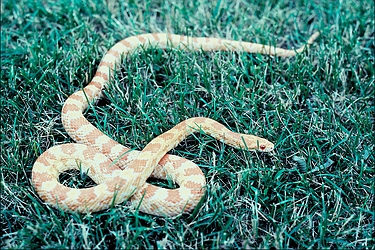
point(265, 146)
point(252, 142)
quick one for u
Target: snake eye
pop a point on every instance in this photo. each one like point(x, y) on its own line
point(262, 147)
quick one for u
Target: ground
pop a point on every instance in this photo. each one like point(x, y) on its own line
point(316, 190)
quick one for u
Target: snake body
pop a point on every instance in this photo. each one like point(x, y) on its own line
point(121, 173)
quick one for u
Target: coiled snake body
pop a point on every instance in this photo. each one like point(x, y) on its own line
point(121, 173)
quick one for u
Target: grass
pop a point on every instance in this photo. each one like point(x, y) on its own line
point(318, 106)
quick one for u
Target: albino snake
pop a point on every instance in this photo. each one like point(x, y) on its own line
point(121, 173)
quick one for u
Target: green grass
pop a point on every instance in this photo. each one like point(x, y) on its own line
point(318, 106)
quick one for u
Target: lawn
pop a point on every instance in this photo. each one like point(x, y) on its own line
point(315, 190)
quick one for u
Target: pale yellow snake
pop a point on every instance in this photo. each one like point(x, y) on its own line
point(121, 173)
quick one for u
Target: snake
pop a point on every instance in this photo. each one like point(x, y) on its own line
point(121, 173)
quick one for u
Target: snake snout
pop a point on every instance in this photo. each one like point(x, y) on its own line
point(266, 148)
